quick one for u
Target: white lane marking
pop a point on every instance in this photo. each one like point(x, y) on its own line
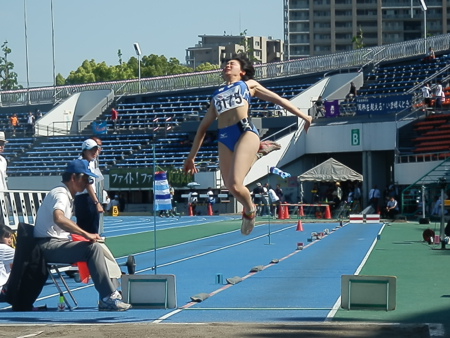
point(336, 305)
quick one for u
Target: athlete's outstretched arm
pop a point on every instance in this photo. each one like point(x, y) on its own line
point(267, 95)
point(209, 117)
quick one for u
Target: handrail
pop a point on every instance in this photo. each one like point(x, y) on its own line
point(310, 65)
point(428, 79)
point(280, 131)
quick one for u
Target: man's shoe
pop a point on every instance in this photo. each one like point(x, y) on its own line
point(113, 305)
point(248, 223)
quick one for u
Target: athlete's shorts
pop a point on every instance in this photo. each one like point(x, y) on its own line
point(229, 136)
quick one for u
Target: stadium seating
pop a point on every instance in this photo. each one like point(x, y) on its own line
point(432, 134)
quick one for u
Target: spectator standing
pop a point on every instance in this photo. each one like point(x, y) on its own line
point(279, 192)
point(122, 203)
point(193, 199)
point(337, 195)
point(87, 205)
point(54, 225)
point(14, 123)
point(106, 201)
point(265, 200)
point(426, 93)
point(115, 202)
point(356, 197)
point(257, 198)
point(30, 123)
point(274, 201)
point(210, 199)
point(374, 197)
point(114, 118)
point(438, 93)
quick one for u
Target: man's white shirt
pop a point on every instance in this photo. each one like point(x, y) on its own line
point(58, 198)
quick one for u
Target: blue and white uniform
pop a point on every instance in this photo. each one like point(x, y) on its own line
point(230, 97)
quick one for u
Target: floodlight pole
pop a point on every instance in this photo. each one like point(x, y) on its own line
point(424, 9)
point(26, 50)
point(425, 29)
point(138, 53)
point(53, 51)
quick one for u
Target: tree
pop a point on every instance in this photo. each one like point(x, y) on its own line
point(358, 39)
point(151, 65)
point(8, 78)
point(206, 66)
point(60, 81)
point(246, 48)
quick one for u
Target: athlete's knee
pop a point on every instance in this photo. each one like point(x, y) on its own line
point(236, 189)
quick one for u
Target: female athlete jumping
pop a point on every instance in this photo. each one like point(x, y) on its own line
point(237, 136)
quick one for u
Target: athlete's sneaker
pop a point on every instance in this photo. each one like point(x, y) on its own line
point(266, 147)
point(113, 304)
point(248, 222)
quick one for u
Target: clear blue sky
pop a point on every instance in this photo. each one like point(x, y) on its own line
point(96, 29)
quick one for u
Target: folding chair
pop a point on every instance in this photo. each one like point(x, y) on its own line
point(58, 267)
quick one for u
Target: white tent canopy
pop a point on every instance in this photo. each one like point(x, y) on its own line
point(329, 171)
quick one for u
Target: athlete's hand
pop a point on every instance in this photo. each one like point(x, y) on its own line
point(189, 166)
point(308, 121)
point(99, 208)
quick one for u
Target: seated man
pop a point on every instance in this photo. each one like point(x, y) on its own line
point(320, 108)
point(392, 208)
point(6, 259)
point(53, 227)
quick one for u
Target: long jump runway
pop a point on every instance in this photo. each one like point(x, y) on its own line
point(303, 286)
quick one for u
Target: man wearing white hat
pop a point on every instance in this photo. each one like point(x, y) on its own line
point(3, 163)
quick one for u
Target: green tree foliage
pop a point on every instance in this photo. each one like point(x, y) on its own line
point(246, 48)
point(206, 66)
point(151, 65)
point(8, 78)
point(358, 39)
point(60, 81)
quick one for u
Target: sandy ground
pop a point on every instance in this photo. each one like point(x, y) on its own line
point(304, 330)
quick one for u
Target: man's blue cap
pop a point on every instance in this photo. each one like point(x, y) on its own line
point(79, 167)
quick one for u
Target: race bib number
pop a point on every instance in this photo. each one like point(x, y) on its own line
point(228, 99)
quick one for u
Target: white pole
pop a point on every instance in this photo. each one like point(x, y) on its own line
point(425, 29)
point(53, 51)
point(139, 72)
point(26, 49)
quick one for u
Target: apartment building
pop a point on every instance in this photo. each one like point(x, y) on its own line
point(217, 48)
point(318, 27)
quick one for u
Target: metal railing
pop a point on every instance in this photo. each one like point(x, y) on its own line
point(308, 65)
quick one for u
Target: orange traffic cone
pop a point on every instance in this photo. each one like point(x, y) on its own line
point(327, 212)
point(280, 211)
point(300, 210)
point(286, 212)
point(190, 210)
point(299, 226)
point(210, 213)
